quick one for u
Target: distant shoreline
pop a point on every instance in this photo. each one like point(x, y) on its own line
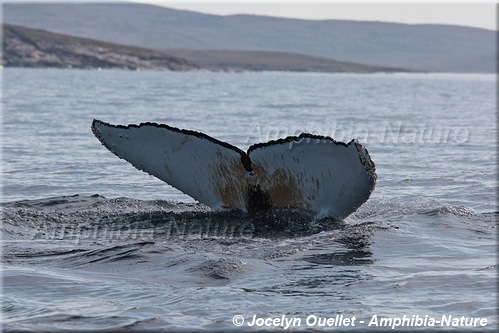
point(247, 42)
point(35, 48)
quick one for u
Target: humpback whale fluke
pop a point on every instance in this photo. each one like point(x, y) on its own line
point(310, 172)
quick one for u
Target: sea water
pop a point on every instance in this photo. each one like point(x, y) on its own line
point(91, 243)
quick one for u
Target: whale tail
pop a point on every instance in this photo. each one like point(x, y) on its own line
point(309, 172)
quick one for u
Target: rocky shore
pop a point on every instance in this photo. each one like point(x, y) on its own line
point(26, 47)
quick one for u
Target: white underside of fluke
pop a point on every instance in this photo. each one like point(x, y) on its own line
point(307, 172)
point(315, 174)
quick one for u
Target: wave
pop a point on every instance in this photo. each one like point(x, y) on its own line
point(80, 219)
point(98, 214)
point(94, 216)
point(164, 254)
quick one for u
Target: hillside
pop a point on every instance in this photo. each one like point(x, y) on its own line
point(418, 47)
point(26, 47)
point(274, 61)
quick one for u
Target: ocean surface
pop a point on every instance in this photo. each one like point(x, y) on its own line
point(90, 243)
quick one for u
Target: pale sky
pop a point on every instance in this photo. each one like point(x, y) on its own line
point(481, 14)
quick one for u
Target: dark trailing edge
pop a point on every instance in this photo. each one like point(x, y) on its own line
point(298, 139)
point(367, 162)
point(244, 155)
